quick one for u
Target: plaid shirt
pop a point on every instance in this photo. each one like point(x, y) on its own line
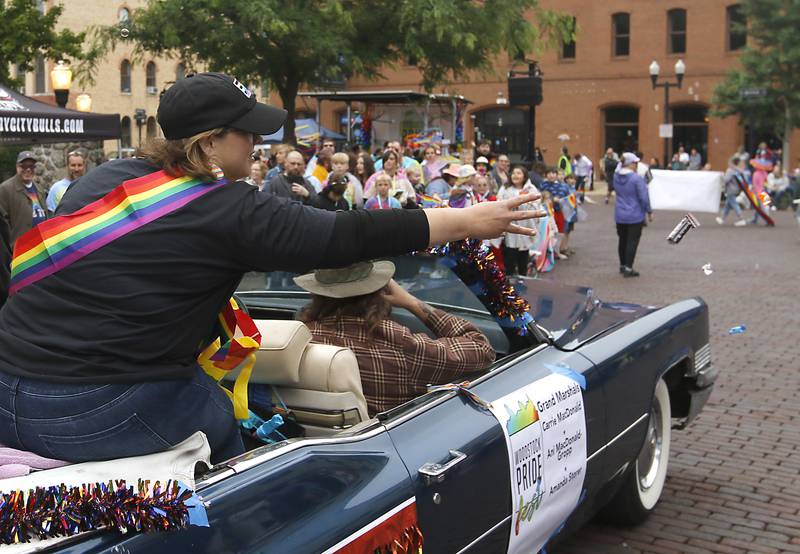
point(396, 365)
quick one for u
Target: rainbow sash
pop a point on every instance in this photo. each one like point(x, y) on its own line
point(63, 240)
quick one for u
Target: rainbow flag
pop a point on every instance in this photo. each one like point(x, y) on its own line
point(63, 240)
point(427, 201)
point(573, 201)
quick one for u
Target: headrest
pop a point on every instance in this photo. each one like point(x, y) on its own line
point(329, 369)
point(282, 346)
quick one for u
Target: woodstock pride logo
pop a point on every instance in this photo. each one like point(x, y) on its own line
point(525, 415)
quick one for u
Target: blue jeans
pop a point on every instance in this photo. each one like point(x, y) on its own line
point(84, 422)
point(731, 205)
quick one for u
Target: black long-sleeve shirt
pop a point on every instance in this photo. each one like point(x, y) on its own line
point(140, 307)
point(5, 256)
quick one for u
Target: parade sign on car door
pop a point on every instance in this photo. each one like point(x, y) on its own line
point(545, 429)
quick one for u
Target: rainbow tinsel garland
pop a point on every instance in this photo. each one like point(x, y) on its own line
point(65, 511)
point(475, 265)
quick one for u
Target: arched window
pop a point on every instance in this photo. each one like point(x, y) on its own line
point(125, 76)
point(123, 15)
point(126, 132)
point(676, 31)
point(152, 128)
point(180, 71)
point(621, 125)
point(736, 26)
point(150, 77)
point(621, 34)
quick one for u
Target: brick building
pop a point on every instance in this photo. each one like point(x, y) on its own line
point(598, 90)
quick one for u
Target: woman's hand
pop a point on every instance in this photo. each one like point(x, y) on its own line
point(486, 220)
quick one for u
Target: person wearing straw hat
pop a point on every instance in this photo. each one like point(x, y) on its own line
point(351, 308)
point(112, 301)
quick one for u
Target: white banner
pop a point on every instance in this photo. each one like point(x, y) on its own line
point(688, 191)
point(545, 429)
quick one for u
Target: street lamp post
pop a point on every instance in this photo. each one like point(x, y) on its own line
point(61, 79)
point(680, 70)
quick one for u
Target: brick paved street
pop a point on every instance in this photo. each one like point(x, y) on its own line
point(734, 476)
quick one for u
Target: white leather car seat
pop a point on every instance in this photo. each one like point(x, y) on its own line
point(321, 384)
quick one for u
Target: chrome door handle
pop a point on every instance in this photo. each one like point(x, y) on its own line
point(435, 473)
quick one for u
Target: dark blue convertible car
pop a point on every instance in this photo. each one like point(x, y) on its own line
point(643, 371)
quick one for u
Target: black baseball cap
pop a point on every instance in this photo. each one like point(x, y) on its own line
point(206, 101)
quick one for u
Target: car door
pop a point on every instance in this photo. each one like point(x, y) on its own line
point(468, 506)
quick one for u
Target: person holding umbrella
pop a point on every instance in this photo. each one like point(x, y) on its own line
point(99, 346)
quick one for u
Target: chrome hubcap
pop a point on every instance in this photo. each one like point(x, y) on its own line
point(649, 459)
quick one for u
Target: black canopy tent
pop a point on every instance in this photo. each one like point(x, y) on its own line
point(24, 120)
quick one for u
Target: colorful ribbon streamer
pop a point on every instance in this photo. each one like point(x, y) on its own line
point(61, 511)
point(475, 265)
point(236, 346)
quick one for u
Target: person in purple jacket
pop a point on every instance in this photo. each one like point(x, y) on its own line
point(633, 205)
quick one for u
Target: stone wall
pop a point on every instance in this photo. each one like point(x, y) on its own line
point(51, 159)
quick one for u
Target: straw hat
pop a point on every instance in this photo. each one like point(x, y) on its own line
point(355, 280)
point(466, 171)
point(452, 170)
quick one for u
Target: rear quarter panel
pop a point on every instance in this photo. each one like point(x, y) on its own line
point(629, 362)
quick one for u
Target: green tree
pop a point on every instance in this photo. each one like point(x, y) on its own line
point(770, 61)
point(290, 43)
point(26, 32)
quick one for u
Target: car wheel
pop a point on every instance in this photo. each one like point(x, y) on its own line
point(644, 481)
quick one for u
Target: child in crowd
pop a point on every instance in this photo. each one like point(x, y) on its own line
point(481, 190)
point(516, 249)
point(340, 166)
point(569, 206)
point(558, 191)
point(461, 193)
point(383, 199)
point(414, 176)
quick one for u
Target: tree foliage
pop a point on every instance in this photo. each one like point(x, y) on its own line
point(26, 33)
point(291, 43)
point(769, 61)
